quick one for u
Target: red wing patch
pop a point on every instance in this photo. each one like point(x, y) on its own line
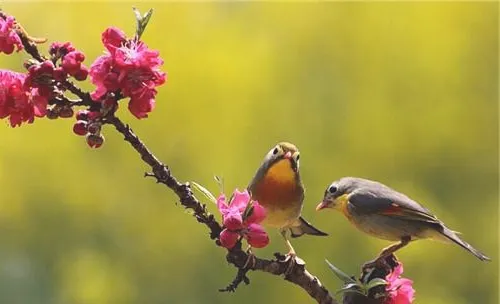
point(392, 209)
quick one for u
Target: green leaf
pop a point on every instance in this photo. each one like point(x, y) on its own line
point(142, 22)
point(205, 192)
point(340, 274)
point(375, 282)
point(351, 287)
point(220, 183)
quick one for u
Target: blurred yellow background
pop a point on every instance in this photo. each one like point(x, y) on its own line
point(403, 93)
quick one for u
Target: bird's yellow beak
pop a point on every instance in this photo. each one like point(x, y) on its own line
point(322, 205)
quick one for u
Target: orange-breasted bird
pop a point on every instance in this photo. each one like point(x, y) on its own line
point(277, 186)
point(382, 212)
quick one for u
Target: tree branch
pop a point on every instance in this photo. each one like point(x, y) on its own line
point(236, 256)
point(162, 174)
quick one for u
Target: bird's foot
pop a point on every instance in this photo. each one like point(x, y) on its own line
point(291, 260)
point(379, 262)
point(251, 259)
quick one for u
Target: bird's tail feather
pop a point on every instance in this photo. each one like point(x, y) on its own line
point(304, 227)
point(454, 238)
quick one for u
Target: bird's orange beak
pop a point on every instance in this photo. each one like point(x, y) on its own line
point(321, 205)
point(288, 155)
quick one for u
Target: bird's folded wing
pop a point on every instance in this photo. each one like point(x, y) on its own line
point(393, 204)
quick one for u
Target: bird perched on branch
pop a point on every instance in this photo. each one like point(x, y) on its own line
point(277, 186)
point(387, 214)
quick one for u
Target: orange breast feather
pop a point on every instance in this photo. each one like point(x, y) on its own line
point(278, 188)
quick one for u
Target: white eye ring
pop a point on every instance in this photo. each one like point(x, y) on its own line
point(332, 189)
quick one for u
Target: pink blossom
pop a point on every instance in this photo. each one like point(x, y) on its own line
point(8, 36)
point(238, 203)
point(137, 54)
point(399, 290)
point(241, 218)
point(232, 218)
point(130, 67)
point(41, 76)
point(103, 77)
point(18, 103)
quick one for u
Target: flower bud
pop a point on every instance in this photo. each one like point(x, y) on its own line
point(228, 238)
point(59, 74)
point(52, 114)
point(256, 236)
point(95, 141)
point(94, 128)
point(82, 115)
point(93, 115)
point(66, 112)
point(81, 74)
point(80, 128)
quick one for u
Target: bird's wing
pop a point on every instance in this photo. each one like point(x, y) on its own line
point(389, 202)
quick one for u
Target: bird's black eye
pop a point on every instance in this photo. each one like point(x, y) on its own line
point(332, 189)
point(298, 157)
point(275, 151)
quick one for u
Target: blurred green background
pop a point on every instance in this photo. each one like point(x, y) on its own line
point(403, 93)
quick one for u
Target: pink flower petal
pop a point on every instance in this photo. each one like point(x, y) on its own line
point(395, 274)
point(400, 290)
point(256, 236)
point(228, 238)
point(240, 200)
point(72, 62)
point(140, 107)
point(113, 38)
point(18, 102)
point(8, 36)
point(39, 104)
point(233, 220)
point(221, 204)
point(258, 214)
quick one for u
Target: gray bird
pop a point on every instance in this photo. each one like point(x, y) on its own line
point(385, 213)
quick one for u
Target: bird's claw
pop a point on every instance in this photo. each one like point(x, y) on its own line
point(290, 260)
point(379, 262)
point(251, 260)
